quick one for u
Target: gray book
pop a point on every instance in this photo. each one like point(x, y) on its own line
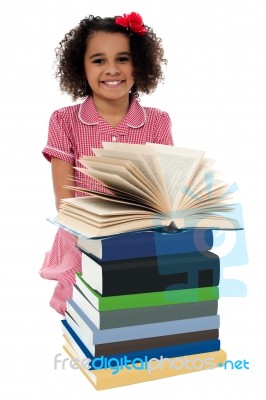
point(96, 335)
point(144, 315)
point(127, 346)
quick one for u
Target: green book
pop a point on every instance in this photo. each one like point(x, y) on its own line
point(105, 303)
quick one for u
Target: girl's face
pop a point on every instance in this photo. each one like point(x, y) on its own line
point(108, 66)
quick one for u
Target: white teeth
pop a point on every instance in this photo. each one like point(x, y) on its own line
point(112, 83)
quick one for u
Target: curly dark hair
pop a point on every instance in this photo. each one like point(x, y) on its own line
point(147, 57)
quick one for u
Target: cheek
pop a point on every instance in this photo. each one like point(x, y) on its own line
point(131, 70)
point(90, 74)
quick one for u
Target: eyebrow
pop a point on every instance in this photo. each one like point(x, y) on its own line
point(121, 53)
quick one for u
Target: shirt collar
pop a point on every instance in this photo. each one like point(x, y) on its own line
point(135, 118)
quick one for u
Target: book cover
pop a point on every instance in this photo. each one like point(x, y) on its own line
point(143, 315)
point(143, 372)
point(147, 243)
point(151, 274)
point(145, 299)
point(96, 335)
point(127, 346)
point(146, 354)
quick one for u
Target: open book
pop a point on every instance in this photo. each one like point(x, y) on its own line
point(148, 186)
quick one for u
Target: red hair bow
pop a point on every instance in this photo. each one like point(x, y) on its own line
point(133, 22)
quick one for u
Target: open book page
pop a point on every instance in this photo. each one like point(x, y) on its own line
point(127, 164)
point(127, 174)
point(92, 217)
point(72, 209)
point(201, 178)
point(205, 201)
point(109, 219)
point(135, 158)
point(120, 184)
point(101, 207)
point(115, 197)
point(208, 221)
point(129, 199)
point(104, 222)
point(178, 166)
point(205, 186)
point(145, 158)
point(210, 191)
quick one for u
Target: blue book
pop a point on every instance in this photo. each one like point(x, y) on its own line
point(145, 355)
point(147, 243)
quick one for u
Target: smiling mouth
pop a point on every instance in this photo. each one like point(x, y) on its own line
point(112, 83)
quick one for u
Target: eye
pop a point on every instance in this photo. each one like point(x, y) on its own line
point(123, 59)
point(98, 61)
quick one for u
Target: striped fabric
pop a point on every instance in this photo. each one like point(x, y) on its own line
point(73, 132)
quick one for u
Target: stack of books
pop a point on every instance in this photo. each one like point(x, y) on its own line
point(145, 317)
point(144, 306)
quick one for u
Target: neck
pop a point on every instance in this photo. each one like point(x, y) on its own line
point(112, 111)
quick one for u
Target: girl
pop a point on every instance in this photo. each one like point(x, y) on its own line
point(108, 62)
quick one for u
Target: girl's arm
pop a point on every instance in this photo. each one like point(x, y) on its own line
point(62, 171)
point(164, 130)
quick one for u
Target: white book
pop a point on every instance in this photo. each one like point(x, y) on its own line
point(147, 186)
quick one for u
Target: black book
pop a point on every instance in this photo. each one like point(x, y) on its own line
point(151, 274)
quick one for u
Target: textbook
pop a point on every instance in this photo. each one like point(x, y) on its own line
point(147, 354)
point(151, 274)
point(147, 243)
point(143, 187)
point(127, 346)
point(136, 300)
point(143, 372)
point(143, 315)
point(132, 332)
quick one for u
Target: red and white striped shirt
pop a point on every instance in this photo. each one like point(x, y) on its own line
point(73, 132)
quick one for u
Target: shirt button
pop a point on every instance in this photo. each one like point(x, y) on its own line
point(113, 139)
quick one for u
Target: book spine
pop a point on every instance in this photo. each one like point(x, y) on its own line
point(146, 244)
point(146, 299)
point(180, 311)
point(98, 336)
point(168, 351)
point(154, 274)
point(108, 379)
point(160, 341)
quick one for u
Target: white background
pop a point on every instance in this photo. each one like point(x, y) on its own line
point(215, 93)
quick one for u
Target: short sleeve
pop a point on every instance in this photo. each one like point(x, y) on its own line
point(164, 130)
point(59, 143)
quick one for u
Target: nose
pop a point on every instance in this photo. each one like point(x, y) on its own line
point(112, 69)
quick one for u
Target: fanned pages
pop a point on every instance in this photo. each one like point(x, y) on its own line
point(148, 186)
